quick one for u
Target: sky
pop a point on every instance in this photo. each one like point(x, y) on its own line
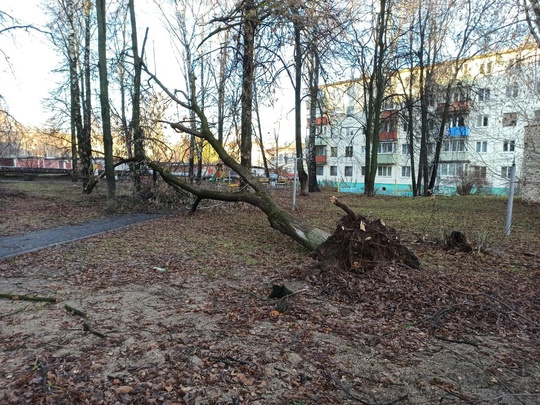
point(27, 77)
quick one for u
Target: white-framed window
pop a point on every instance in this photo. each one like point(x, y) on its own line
point(509, 146)
point(333, 151)
point(348, 132)
point(385, 147)
point(512, 90)
point(363, 170)
point(451, 169)
point(319, 170)
point(405, 150)
point(506, 172)
point(348, 151)
point(478, 172)
point(348, 171)
point(405, 171)
point(484, 94)
point(510, 119)
point(388, 125)
point(333, 170)
point(481, 146)
point(482, 121)
point(384, 171)
point(454, 145)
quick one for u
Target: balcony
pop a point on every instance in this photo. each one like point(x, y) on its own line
point(388, 136)
point(319, 121)
point(458, 131)
point(461, 107)
point(320, 159)
point(386, 158)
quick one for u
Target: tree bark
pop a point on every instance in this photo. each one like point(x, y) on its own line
point(280, 219)
point(105, 107)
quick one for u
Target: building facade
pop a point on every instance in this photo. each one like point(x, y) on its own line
point(482, 118)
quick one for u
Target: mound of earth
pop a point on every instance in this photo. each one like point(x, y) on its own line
point(359, 244)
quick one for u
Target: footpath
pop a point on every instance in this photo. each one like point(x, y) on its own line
point(11, 246)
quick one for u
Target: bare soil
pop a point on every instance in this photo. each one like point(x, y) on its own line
point(177, 311)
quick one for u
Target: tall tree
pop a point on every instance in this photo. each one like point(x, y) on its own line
point(105, 106)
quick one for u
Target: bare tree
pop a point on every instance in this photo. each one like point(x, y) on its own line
point(105, 106)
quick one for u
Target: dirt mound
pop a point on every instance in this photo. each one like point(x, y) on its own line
point(359, 244)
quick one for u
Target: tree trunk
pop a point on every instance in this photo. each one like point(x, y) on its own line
point(314, 100)
point(105, 107)
point(249, 27)
point(280, 219)
point(302, 175)
point(136, 102)
point(85, 148)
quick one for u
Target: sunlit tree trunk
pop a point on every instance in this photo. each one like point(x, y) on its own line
point(105, 107)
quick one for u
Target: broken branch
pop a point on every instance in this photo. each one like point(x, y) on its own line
point(18, 297)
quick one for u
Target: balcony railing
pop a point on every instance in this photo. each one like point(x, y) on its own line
point(458, 131)
point(320, 159)
point(388, 136)
point(386, 158)
point(462, 107)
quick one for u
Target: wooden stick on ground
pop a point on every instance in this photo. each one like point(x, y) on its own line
point(16, 297)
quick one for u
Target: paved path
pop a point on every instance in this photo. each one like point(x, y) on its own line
point(15, 245)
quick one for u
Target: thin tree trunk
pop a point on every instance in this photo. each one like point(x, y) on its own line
point(136, 101)
point(302, 175)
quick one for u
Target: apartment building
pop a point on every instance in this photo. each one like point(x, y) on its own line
point(492, 98)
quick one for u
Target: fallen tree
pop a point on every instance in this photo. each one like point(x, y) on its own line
point(255, 193)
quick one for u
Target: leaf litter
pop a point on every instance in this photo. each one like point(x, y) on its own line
point(463, 328)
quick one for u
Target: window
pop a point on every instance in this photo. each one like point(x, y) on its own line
point(319, 170)
point(348, 151)
point(484, 94)
point(385, 147)
point(481, 146)
point(333, 151)
point(454, 145)
point(333, 170)
point(506, 172)
point(509, 119)
point(512, 90)
point(509, 146)
point(482, 121)
point(384, 171)
point(479, 172)
point(405, 149)
point(405, 171)
point(388, 125)
point(348, 131)
point(363, 148)
point(451, 169)
point(348, 171)
point(363, 170)
point(456, 121)
point(350, 110)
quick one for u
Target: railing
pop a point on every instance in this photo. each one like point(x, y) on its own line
point(320, 159)
point(388, 136)
point(458, 131)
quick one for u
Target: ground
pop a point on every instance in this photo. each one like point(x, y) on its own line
point(177, 311)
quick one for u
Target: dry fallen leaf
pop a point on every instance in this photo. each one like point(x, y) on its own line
point(124, 389)
point(362, 226)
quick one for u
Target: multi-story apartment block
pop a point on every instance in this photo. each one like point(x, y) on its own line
point(492, 98)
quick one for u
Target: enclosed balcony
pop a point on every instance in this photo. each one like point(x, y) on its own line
point(320, 159)
point(388, 136)
point(459, 131)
